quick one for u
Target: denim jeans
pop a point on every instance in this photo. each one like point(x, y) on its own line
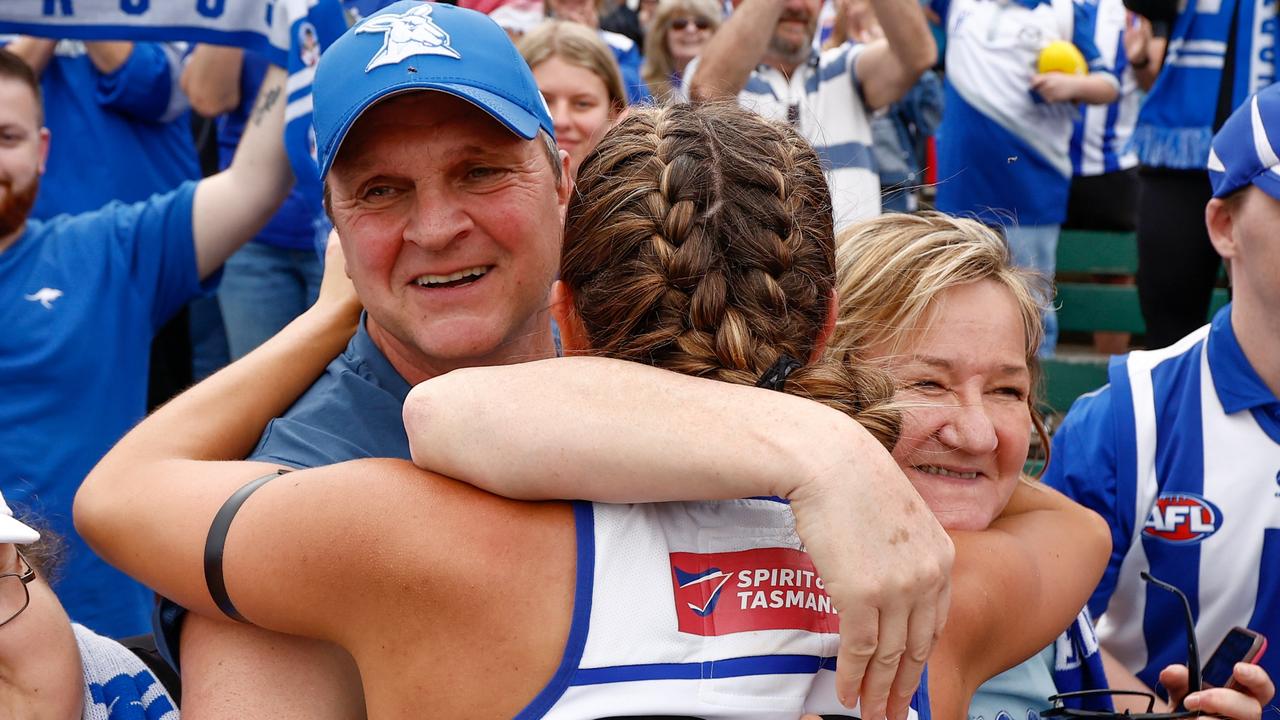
point(263, 289)
point(1035, 247)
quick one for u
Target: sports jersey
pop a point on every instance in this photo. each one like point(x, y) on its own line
point(1100, 137)
point(697, 610)
point(133, 123)
point(1181, 454)
point(1002, 150)
point(823, 101)
point(80, 298)
point(627, 53)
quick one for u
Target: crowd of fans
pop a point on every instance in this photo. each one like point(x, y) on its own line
point(558, 239)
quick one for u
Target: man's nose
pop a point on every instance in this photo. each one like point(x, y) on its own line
point(437, 218)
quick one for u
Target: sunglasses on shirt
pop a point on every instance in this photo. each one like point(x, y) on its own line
point(1193, 680)
point(682, 23)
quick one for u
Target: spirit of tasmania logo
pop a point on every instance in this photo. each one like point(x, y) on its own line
point(759, 589)
point(1182, 518)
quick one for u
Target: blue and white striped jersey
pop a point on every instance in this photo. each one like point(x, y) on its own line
point(1181, 454)
point(697, 610)
point(823, 100)
point(1101, 135)
point(1003, 152)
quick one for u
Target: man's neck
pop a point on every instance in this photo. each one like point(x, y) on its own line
point(1258, 333)
point(535, 343)
point(786, 66)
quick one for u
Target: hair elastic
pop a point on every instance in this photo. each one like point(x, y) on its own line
point(776, 376)
point(213, 545)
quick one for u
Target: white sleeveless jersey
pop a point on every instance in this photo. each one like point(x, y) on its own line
point(1204, 504)
point(697, 610)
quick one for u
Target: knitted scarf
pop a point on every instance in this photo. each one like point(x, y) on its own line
point(1176, 123)
point(117, 685)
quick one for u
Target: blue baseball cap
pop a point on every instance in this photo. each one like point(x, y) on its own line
point(412, 45)
point(1244, 150)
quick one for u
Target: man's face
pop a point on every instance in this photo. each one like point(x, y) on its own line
point(793, 36)
point(451, 227)
point(1254, 250)
point(23, 148)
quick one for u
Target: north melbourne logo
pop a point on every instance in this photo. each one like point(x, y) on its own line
point(44, 296)
point(406, 35)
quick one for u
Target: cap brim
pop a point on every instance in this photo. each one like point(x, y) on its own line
point(12, 531)
point(512, 116)
point(1268, 181)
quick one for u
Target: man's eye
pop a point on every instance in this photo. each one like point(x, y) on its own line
point(379, 191)
point(484, 173)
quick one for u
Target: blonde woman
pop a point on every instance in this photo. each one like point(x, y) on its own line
point(680, 30)
point(580, 81)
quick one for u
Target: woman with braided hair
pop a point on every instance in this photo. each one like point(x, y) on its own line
point(700, 241)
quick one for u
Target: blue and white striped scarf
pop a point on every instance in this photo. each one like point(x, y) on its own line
point(290, 33)
point(1175, 126)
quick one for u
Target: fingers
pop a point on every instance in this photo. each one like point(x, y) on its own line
point(884, 665)
point(1254, 681)
point(859, 632)
point(922, 633)
point(1224, 702)
point(1174, 678)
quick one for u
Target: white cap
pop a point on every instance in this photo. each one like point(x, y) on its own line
point(12, 531)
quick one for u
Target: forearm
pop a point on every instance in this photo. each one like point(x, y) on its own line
point(910, 47)
point(1147, 74)
point(233, 205)
point(1098, 89)
point(749, 441)
point(108, 56)
point(35, 52)
point(729, 57)
point(211, 79)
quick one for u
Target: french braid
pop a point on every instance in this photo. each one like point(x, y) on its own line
point(700, 240)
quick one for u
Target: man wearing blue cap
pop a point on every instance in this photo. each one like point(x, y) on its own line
point(448, 193)
point(1181, 451)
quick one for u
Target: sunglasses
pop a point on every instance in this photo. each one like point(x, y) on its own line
point(682, 23)
point(1060, 710)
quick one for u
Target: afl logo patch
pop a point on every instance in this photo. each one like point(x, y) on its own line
point(1182, 519)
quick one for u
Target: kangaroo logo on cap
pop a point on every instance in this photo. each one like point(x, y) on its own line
point(405, 35)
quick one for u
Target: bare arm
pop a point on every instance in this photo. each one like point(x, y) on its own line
point(888, 68)
point(35, 52)
point(730, 55)
point(211, 79)
point(108, 56)
point(233, 205)
point(682, 438)
point(1017, 581)
point(1095, 89)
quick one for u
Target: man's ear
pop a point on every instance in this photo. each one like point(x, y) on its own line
point(1220, 225)
point(565, 188)
point(45, 137)
point(828, 327)
point(573, 336)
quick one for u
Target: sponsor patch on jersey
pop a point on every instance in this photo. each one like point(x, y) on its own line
point(1182, 518)
point(758, 589)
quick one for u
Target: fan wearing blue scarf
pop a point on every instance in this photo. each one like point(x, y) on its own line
point(1219, 53)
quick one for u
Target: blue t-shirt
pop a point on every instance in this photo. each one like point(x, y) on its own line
point(292, 227)
point(627, 53)
point(121, 136)
point(80, 299)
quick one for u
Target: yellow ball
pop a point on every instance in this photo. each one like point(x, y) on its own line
point(1061, 56)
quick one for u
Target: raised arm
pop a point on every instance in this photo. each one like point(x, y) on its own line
point(735, 50)
point(889, 67)
point(211, 79)
point(233, 205)
point(682, 438)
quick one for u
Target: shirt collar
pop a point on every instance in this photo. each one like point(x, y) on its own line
point(1238, 385)
point(383, 372)
point(812, 62)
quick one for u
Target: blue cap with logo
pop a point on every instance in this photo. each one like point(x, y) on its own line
point(1244, 150)
point(412, 45)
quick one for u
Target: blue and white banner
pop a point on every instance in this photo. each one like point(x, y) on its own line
point(290, 33)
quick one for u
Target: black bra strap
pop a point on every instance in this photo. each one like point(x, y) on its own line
point(217, 539)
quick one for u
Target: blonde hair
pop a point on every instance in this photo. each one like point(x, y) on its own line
point(891, 270)
point(700, 240)
point(658, 66)
point(578, 45)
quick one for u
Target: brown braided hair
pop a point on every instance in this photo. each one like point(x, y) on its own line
point(700, 240)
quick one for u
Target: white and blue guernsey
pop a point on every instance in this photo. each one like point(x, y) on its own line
point(697, 610)
point(1100, 139)
point(1181, 454)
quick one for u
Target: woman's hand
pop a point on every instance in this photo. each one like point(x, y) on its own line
point(337, 293)
point(1246, 702)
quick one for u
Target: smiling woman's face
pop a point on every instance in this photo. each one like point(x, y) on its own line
point(967, 423)
point(40, 671)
